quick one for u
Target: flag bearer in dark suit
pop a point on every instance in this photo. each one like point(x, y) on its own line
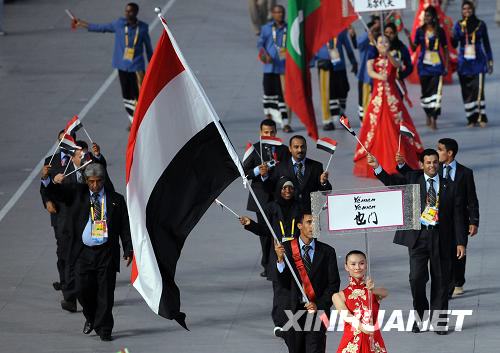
point(320, 279)
point(441, 237)
point(97, 220)
point(254, 169)
point(463, 177)
point(308, 175)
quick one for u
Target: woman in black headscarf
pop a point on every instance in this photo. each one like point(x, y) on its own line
point(283, 214)
point(475, 58)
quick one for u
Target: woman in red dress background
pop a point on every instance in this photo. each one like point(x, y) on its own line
point(381, 127)
point(361, 333)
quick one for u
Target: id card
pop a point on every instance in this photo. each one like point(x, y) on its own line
point(99, 231)
point(282, 53)
point(431, 57)
point(470, 52)
point(128, 54)
point(334, 55)
point(285, 239)
point(430, 216)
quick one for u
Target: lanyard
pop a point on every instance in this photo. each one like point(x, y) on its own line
point(283, 228)
point(332, 43)
point(102, 210)
point(283, 41)
point(427, 41)
point(136, 37)
point(464, 29)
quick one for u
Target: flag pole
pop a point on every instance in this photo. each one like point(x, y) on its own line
point(229, 147)
point(67, 166)
point(53, 154)
point(260, 144)
point(328, 164)
point(86, 133)
point(227, 208)
point(356, 137)
point(399, 143)
point(82, 166)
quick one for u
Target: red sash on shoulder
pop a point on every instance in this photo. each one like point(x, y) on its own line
point(304, 277)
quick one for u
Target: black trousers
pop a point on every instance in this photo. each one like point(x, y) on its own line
point(306, 341)
point(457, 278)
point(130, 91)
point(473, 98)
point(60, 256)
point(96, 278)
point(427, 251)
point(273, 99)
point(431, 96)
point(265, 244)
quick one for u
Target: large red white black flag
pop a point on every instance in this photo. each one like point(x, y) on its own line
point(179, 160)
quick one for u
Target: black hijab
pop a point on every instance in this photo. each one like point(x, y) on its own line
point(472, 22)
point(285, 205)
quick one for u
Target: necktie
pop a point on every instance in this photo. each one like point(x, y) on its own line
point(306, 259)
point(431, 193)
point(97, 206)
point(448, 172)
point(299, 175)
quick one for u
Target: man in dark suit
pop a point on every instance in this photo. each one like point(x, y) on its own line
point(307, 175)
point(255, 169)
point(97, 219)
point(320, 266)
point(440, 238)
point(463, 177)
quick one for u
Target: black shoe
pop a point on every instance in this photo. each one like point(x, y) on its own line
point(88, 327)
point(106, 336)
point(415, 328)
point(68, 306)
point(287, 129)
point(329, 127)
point(441, 333)
point(263, 273)
point(57, 285)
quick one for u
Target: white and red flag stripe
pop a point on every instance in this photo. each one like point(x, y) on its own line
point(179, 160)
point(68, 143)
point(271, 140)
point(405, 131)
point(73, 125)
point(345, 123)
point(326, 144)
point(248, 151)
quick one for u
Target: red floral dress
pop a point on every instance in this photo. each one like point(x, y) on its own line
point(356, 300)
point(381, 125)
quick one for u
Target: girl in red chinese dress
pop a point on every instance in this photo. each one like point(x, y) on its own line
point(361, 333)
point(381, 127)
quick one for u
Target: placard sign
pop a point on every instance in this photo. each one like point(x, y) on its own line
point(378, 5)
point(365, 210)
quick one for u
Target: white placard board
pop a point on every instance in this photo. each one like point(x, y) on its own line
point(378, 5)
point(365, 210)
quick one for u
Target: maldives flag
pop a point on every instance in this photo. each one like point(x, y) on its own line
point(312, 24)
point(179, 159)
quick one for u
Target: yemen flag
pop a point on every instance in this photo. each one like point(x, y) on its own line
point(327, 144)
point(68, 143)
point(312, 24)
point(248, 151)
point(179, 160)
point(345, 123)
point(270, 140)
point(405, 131)
point(73, 125)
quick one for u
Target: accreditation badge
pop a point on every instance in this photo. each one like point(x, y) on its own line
point(282, 53)
point(129, 54)
point(430, 216)
point(470, 52)
point(285, 239)
point(99, 232)
point(334, 55)
point(431, 57)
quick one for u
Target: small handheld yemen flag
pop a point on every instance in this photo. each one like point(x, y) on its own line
point(312, 23)
point(270, 140)
point(68, 143)
point(403, 130)
point(73, 125)
point(327, 144)
point(248, 151)
point(179, 160)
point(345, 123)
